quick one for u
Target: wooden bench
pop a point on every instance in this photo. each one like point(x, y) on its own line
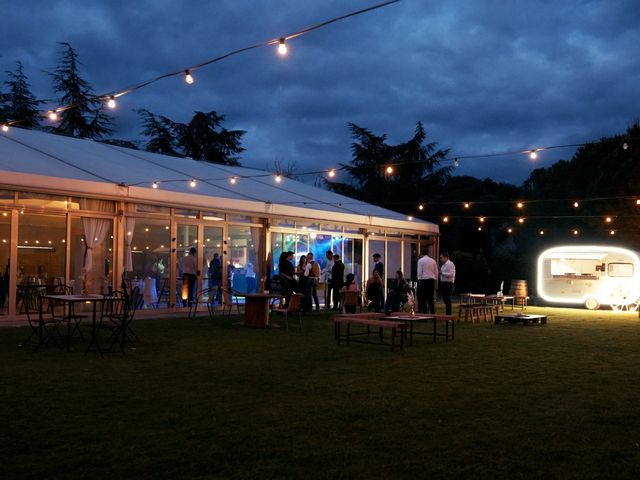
point(369, 320)
point(473, 311)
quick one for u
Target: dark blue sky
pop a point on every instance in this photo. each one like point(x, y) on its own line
point(483, 76)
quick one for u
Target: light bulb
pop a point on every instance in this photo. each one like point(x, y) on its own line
point(332, 173)
point(192, 183)
point(154, 185)
point(282, 47)
point(533, 155)
point(576, 204)
point(612, 232)
point(575, 232)
point(53, 115)
point(278, 178)
point(5, 127)
point(481, 219)
point(188, 77)
point(456, 163)
point(233, 180)
point(445, 219)
point(420, 207)
point(520, 204)
point(479, 229)
point(509, 230)
point(389, 170)
point(410, 218)
point(466, 205)
point(541, 232)
point(625, 145)
point(112, 102)
point(608, 219)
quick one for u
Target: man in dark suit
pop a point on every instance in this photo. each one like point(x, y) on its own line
point(337, 280)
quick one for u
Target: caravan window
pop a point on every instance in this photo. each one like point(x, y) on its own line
point(620, 269)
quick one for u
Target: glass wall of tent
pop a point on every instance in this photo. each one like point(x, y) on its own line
point(55, 243)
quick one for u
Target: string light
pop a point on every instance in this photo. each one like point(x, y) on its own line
point(389, 170)
point(233, 180)
point(533, 154)
point(612, 232)
point(575, 232)
point(625, 145)
point(481, 219)
point(520, 205)
point(541, 232)
point(192, 183)
point(332, 173)
point(521, 220)
point(53, 115)
point(445, 219)
point(608, 219)
point(638, 202)
point(467, 204)
point(188, 77)
point(112, 102)
point(410, 218)
point(576, 204)
point(5, 127)
point(479, 229)
point(509, 230)
point(282, 47)
point(154, 185)
point(456, 163)
point(420, 207)
point(278, 178)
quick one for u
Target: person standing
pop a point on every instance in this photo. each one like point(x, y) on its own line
point(337, 280)
point(326, 275)
point(215, 277)
point(188, 268)
point(447, 279)
point(378, 266)
point(427, 277)
point(312, 274)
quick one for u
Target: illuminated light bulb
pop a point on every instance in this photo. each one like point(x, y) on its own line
point(155, 185)
point(612, 232)
point(521, 220)
point(64, 241)
point(233, 180)
point(456, 163)
point(638, 202)
point(509, 230)
point(146, 229)
point(479, 229)
point(625, 145)
point(541, 232)
point(576, 204)
point(188, 77)
point(278, 178)
point(282, 47)
point(420, 207)
point(520, 205)
point(410, 218)
point(332, 173)
point(445, 219)
point(608, 219)
point(129, 233)
point(112, 102)
point(192, 183)
point(389, 170)
point(533, 154)
point(575, 232)
point(5, 127)
point(53, 115)
point(466, 205)
point(481, 219)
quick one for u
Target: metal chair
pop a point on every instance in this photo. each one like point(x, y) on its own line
point(44, 326)
point(294, 306)
point(209, 293)
point(227, 301)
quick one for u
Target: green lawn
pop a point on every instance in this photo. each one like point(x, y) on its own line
point(198, 399)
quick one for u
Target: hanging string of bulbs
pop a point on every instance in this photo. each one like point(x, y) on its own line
point(281, 42)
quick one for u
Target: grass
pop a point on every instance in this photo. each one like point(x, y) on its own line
point(209, 400)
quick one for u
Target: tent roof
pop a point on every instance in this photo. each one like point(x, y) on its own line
point(43, 161)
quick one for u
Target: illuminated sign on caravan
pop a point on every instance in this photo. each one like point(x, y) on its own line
point(591, 275)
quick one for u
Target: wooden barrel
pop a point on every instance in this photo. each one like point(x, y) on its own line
point(518, 288)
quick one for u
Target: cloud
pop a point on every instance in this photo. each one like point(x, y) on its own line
point(482, 76)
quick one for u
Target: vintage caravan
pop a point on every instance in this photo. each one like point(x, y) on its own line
point(590, 275)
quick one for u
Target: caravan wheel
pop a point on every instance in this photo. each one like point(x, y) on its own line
point(592, 304)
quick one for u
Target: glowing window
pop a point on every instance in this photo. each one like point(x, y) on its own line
point(620, 269)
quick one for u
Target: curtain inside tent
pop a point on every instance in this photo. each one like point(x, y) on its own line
point(95, 229)
point(129, 227)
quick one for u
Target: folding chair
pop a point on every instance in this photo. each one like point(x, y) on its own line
point(227, 301)
point(44, 327)
point(295, 306)
point(210, 294)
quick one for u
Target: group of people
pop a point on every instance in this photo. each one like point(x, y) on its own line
point(431, 277)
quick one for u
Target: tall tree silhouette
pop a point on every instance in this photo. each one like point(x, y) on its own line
point(415, 174)
point(19, 104)
point(203, 138)
point(86, 117)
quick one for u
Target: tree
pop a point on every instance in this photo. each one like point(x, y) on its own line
point(85, 116)
point(160, 131)
point(415, 173)
point(19, 104)
point(202, 138)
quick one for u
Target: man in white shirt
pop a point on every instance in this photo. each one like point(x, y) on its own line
point(427, 277)
point(447, 279)
point(326, 276)
point(312, 272)
point(188, 268)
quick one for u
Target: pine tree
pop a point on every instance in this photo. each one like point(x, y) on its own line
point(19, 104)
point(160, 132)
point(86, 117)
point(204, 139)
